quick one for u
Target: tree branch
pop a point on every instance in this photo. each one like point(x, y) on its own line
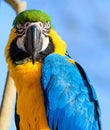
point(7, 103)
point(17, 5)
point(9, 90)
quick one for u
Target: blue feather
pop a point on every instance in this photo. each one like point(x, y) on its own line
point(70, 100)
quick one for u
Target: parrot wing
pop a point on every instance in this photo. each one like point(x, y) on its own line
point(70, 100)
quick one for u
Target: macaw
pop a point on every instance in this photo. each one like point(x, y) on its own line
point(53, 90)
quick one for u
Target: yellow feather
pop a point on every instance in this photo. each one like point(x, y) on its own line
point(30, 104)
point(60, 45)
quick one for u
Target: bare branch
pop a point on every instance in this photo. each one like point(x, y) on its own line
point(9, 90)
point(17, 5)
point(7, 103)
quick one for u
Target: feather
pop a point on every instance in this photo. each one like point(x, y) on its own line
point(70, 100)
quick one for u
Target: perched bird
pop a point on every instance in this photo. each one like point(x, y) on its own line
point(53, 91)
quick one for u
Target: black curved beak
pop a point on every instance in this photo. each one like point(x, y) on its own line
point(33, 41)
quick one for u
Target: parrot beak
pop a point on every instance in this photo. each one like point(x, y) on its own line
point(33, 41)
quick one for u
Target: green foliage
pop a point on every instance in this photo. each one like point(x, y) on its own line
point(32, 16)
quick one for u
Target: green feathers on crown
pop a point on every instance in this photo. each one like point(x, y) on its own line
point(32, 16)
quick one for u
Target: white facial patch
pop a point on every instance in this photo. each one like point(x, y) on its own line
point(44, 38)
point(20, 43)
point(45, 42)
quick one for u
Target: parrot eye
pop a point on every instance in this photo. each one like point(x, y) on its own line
point(18, 26)
point(47, 25)
point(46, 29)
point(40, 24)
point(27, 24)
point(22, 28)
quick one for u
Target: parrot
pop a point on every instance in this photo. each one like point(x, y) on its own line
point(53, 92)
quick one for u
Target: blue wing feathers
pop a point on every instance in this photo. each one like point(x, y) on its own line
point(92, 94)
point(67, 95)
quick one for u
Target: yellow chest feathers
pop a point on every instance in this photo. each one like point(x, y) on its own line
point(30, 104)
point(26, 75)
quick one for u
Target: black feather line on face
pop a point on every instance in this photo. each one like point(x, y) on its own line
point(16, 54)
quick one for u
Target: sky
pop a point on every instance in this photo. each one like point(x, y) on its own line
point(85, 26)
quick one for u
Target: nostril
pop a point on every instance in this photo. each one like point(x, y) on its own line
point(27, 24)
point(40, 24)
point(40, 53)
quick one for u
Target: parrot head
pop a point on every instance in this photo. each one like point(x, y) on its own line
point(33, 38)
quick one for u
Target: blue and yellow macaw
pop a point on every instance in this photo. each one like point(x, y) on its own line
point(53, 91)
